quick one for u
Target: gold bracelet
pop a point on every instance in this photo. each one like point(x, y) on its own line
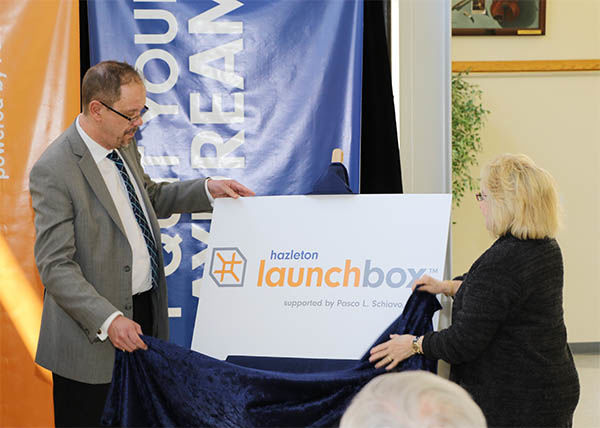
point(415, 345)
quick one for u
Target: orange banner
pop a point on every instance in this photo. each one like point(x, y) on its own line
point(39, 97)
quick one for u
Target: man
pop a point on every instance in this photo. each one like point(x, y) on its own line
point(98, 246)
point(412, 399)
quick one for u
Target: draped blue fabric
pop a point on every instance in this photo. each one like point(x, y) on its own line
point(333, 181)
point(168, 385)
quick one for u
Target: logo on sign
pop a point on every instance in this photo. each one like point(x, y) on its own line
point(228, 267)
point(316, 274)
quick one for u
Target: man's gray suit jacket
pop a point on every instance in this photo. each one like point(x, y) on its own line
point(84, 257)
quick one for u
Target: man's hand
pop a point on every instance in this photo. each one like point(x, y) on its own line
point(125, 334)
point(227, 189)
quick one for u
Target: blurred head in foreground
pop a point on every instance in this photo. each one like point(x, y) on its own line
point(412, 399)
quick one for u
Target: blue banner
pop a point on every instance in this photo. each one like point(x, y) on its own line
point(258, 91)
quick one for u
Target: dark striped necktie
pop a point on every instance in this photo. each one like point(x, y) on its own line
point(139, 216)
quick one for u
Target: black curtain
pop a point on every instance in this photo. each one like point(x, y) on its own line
point(84, 39)
point(379, 153)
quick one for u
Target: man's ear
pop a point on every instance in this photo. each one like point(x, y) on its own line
point(94, 110)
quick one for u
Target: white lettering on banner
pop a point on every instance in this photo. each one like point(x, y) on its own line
point(202, 24)
point(162, 160)
point(201, 235)
point(217, 115)
point(199, 63)
point(199, 258)
point(155, 109)
point(171, 244)
point(208, 148)
point(220, 160)
point(174, 312)
point(159, 88)
point(156, 38)
point(158, 160)
point(3, 175)
point(171, 221)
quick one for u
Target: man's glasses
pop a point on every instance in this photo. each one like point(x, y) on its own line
point(480, 196)
point(124, 116)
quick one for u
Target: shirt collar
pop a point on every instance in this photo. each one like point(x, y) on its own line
point(96, 150)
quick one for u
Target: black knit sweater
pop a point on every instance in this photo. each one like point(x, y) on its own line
point(507, 344)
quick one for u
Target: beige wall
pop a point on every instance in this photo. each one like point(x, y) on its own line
point(555, 119)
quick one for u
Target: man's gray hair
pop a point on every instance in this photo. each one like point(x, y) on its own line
point(412, 399)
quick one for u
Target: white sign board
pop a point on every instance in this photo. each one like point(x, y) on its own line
point(314, 276)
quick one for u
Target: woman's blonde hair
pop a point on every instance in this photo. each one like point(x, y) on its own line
point(522, 198)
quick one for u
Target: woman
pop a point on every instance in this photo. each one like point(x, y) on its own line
point(507, 344)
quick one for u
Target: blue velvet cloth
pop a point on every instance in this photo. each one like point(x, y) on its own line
point(333, 181)
point(168, 385)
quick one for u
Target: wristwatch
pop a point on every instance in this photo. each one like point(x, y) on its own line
point(415, 345)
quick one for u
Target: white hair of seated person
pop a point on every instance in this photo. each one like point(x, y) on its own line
point(412, 399)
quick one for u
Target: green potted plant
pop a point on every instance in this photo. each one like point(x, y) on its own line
point(468, 116)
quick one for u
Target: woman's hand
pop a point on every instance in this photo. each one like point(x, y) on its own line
point(392, 352)
point(431, 285)
point(435, 286)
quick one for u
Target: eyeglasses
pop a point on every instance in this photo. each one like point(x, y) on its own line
point(130, 119)
point(480, 196)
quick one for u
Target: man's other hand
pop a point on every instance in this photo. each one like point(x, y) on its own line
point(125, 334)
point(227, 189)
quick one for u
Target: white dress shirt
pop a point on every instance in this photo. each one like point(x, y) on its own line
point(140, 270)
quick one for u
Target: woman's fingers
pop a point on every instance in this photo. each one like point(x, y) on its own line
point(428, 289)
point(393, 364)
point(425, 279)
point(381, 364)
point(381, 347)
point(378, 356)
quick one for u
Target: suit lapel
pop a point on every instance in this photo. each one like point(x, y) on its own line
point(92, 175)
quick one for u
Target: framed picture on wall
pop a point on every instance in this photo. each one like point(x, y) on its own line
point(498, 17)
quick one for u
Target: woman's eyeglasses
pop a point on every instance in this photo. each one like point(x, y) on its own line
point(480, 196)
